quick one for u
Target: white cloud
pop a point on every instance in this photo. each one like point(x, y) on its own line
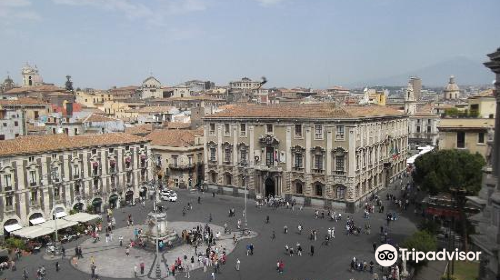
point(267, 3)
point(13, 11)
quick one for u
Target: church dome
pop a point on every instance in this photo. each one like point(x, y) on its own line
point(452, 86)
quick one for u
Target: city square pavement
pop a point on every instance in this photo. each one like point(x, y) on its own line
point(329, 262)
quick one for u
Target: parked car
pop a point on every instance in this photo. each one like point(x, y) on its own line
point(172, 197)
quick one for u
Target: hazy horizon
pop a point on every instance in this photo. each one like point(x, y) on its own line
point(105, 43)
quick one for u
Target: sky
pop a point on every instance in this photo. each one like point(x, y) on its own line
point(310, 43)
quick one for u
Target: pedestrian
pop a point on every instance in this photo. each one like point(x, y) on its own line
point(267, 219)
point(74, 260)
point(135, 271)
point(312, 250)
point(238, 264)
point(120, 239)
point(273, 236)
point(127, 251)
point(25, 274)
point(77, 253)
point(93, 268)
point(92, 259)
point(143, 266)
point(374, 246)
point(57, 266)
point(210, 218)
point(213, 274)
point(187, 268)
point(199, 200)
point(251, 249)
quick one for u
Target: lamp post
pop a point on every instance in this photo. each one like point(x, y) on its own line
point(158, 270)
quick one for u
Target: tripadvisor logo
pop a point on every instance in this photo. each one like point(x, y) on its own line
point(387, 255)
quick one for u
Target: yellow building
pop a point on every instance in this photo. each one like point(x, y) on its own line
point(91, 98)
point(483, 104)
point(318, 154)
point(466, 134)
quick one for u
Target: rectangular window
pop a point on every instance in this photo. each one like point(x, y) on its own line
point(318, 131)
point(480, 137)
point(8, 180)
point(8, 201)
point(227, 129)
point(16, 123)
point(318, 162)
point(32, 177)
point(34, 196)
point(418, 129)
point(54, 156)
point(190, 160)
point(269, 128)
point(339, 163)
point(111, 150)
point(340, 132)
point(243, 130)
point(298, 160)
point(94, 151)
point(31, 159)
point(212, 129)
point(227, 155)
point(243, 155)
point(212, 154)
point(428, 129)
point(460, 139)
point(298, 130)
point(174, 159)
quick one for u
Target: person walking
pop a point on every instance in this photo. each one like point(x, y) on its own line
point(237, 264)
point(25, 274)
point(312, 250)
point(142, 266)
point(135, 271)
point(374, 246)
point(92, 269)
point(57, 267)
point(127, 251)
point(267, 219)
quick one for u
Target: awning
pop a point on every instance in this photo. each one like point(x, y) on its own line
point(33, 232)
point(81, 217)
point(61, 214)
point(12, 227)
point(37, 221)
point(113, 197)
point(61, 224)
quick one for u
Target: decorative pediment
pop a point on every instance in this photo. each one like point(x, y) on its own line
point(269, 140)
point(242, 146)
point(317, 150)
point(226, 145)
point(211, 144)
point(298, 149)
point(339, 150)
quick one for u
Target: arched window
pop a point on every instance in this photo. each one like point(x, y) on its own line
point(299, 188)
point(213, 177)
point(318, 189)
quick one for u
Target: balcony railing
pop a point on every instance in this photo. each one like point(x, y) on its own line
point(298, 168)
point(181, 166)
point(340, 172)
point(318, 171)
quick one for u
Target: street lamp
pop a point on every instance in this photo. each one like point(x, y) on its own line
point(245, 230)
point(53, 175)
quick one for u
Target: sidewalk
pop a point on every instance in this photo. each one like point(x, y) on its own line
point(433, 271)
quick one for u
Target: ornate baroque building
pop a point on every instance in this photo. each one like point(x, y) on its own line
point(43, 175)
point(318, 154)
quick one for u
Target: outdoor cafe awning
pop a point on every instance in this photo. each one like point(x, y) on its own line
point(37, 221)
point(12, 227)
point(33, 232)
point(61, 214)
point(42, 229)
point(81, 217)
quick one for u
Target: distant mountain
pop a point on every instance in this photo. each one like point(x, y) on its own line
point(466, 72)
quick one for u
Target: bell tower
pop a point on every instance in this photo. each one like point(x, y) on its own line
point(31, 77)
point(410, 102)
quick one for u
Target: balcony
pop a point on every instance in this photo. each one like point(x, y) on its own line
point(33, 184)
point(8, 189)
point(318, 171)
point(181, 166)
point(339, 172)
point(298, 168)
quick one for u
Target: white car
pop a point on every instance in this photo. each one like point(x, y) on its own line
point(172, 197)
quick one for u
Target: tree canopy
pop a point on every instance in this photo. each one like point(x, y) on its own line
point(421, 241)
point(441, 170)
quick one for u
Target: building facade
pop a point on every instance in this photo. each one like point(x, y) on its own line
point(151, 88)
point(466, 134)
point(452, 91)
point(178, 157)
point(318, 154)
point(43, 175)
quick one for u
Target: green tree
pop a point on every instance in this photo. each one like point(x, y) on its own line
point(451, 171)
point(421, 241)
point(440, 171)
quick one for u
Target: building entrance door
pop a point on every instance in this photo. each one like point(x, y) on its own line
point(270, 187)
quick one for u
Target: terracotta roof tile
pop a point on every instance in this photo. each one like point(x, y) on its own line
point(178, 125)
point(173, 137)
point(139, 129)
point(98, 118)
point(314, 110)
point(42, 88)
point(57, 142)
point(22, 101)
